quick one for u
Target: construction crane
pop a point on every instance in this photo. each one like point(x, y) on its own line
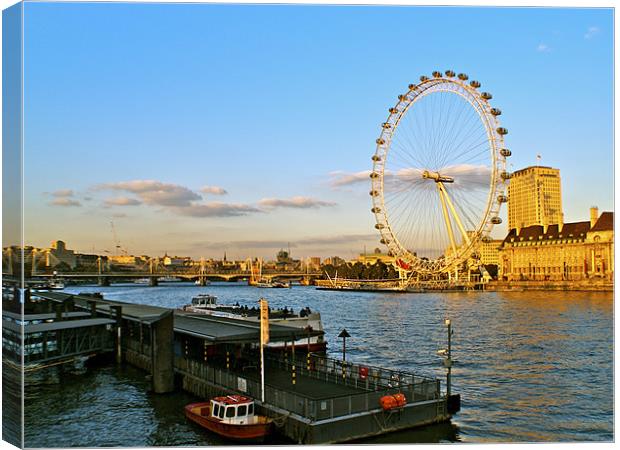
point(117, 244)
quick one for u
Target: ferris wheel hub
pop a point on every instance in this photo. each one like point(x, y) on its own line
point(437, 177)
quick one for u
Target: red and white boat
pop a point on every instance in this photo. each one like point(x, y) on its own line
point(232, 417)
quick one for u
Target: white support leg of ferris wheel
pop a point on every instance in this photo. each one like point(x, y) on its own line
point(446, 217)
point(453, 210)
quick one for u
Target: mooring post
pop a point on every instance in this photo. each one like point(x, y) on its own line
point(58, 312)
point(93, 308)
point(162, 335)
point(118, 314)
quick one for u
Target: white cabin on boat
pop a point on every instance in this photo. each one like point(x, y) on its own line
point(233, 409)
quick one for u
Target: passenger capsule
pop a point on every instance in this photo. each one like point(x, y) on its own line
point(374, 193)
point(402, 97)
point(388, 125)
point(505, 152)
point(502, 198)
point(375, 210)
point(463, 76)
point(380, 141)
point(486, 239)
point(496, 220)
point(449, 73)
point(412, 86)
point(423, 78)
point(374, 175)
point(475, 255)
point(437, 74)
point(475, 84)
point(384, 241)
point(486, 96)
point(379, 226)
point(376, 158)
point(502, 131)
point(505, 175)
point(496, 112)
point(393, 110)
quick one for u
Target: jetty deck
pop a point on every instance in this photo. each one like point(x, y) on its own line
point(312, 399)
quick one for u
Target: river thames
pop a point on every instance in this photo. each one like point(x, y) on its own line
point(530, 366)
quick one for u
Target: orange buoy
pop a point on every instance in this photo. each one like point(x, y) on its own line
point(388, 402)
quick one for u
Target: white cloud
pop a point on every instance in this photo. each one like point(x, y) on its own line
point(294, 202)
point(215, 190)
point(154, 192)
point(342, 179)
point(216, 209)
point(63, 193)
point(592, 31)
point(64, 201)
point(543, 48)
point(122, 201)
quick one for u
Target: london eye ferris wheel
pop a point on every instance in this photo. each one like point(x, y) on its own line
point(439, 173)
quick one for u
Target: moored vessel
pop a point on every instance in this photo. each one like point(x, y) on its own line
point(305, 319)
point(232, 417)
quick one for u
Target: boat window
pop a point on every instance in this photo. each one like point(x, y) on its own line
point(250, 409)
point(221, 414)
point(216, 409)
point(230, 411)
point(241, 410)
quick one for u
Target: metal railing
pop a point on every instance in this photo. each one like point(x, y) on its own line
point(416, 388)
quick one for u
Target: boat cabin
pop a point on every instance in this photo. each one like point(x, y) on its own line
point(235, 409)
point(204, 301)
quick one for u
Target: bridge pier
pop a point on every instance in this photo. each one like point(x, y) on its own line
point(153, 281)
point(104, 281)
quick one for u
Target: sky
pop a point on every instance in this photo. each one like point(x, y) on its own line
point(201, 129)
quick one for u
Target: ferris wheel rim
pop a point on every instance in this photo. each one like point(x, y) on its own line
point(479, 102)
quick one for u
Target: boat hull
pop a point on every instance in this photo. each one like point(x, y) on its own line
point(200, 414)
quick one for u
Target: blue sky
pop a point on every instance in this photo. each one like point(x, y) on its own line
point(144, 114)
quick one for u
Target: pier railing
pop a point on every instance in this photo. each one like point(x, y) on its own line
point(361, 376)
point(366, 397)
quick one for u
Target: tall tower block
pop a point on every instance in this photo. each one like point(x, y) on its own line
point(535, 197)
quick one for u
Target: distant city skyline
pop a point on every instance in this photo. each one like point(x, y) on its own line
point(201, 129)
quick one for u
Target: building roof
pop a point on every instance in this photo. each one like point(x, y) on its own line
point(131, 311)
point(605, 222)
point(54, 326)
point(44, 316)
point(573, 230)
point(525, 169)
point(224, 329)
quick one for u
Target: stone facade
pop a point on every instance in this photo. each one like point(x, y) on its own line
point(572, 251)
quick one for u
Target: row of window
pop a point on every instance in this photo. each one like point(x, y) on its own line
point(232, 410)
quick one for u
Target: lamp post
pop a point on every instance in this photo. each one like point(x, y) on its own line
point(448, 361)
point(344, 334)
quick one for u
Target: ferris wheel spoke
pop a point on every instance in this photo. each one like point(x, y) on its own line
point(466, 138)
point(448, 129)
point(408, 154)
point(476, 146)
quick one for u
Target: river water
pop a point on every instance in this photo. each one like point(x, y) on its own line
point(530, 366)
